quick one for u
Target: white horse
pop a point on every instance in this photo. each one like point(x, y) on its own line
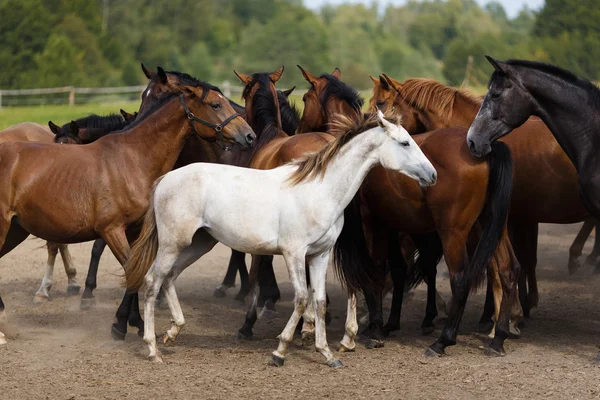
point(296, 210)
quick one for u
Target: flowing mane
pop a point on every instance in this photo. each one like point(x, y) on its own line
point(429, 94)
point(290, 116)
point(109, 122)
point(315, 165)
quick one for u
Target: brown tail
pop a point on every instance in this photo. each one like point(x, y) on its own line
point(144, 249)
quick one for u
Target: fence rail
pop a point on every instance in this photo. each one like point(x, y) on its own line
point(14, 97)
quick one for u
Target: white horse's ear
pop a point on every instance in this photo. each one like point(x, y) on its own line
point(381, 121)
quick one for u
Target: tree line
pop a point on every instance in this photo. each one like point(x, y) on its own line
point(92, 43)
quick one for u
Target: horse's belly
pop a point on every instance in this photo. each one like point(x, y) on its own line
point(251, 242)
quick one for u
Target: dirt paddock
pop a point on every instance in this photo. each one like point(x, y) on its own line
point(57, 351)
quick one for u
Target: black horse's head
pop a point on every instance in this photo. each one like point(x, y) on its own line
point(506, 106)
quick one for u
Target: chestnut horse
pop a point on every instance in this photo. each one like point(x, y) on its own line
point(468, 191)
point(32, 132)
point(538, 196)
point(112, 197)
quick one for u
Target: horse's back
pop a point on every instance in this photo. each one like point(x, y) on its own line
point(283, 150)
point(26, 132)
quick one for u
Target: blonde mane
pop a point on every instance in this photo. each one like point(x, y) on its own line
point(429, 94)
point(315, 165)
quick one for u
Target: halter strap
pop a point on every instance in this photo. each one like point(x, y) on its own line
point(217, 127)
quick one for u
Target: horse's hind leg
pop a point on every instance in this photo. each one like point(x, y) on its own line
point(237, 262)
point(245, 332)
point(88, 299)
point(398, 267)
point(73, 286)
point(269, 291)
point(576, 248)
point(42, 294)
point(594, 257)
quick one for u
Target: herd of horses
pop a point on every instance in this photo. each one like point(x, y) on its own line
point(383, 195)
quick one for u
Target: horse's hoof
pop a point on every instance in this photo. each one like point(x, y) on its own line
point(40, 299)
point(219, 292)
point(335, 364)
point(489, 351)
point(427, 330)
point(270, 305)
point(240, 297)
point(485, 326)
point(168, 340)
point(387, 329)
point(344, 349)
point(514, 332)
point(429, 352)
point(87, 303)
point(156, 359)
point(375, 344)
point(72, 290)
point(268, 314)
point(141, 332)
point(276, 361)
point(244, 335)
point(117, 334)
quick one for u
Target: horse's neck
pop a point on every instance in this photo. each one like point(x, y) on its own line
point(348, 169)
point(154, 144)
point(464, 111)
point(337, 107)
point(566, 111)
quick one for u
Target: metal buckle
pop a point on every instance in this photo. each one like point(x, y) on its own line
point(190, 116)
point(218, 128)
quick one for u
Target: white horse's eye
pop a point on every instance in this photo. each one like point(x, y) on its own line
point(405, 144)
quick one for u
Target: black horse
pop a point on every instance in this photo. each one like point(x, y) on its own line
point(568, 105)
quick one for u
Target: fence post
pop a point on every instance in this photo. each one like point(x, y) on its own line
point(71, 95)
point(227, 89)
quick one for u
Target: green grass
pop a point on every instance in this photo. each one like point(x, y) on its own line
point(59, 114)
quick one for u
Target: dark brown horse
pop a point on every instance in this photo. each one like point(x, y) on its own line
point(545, 186)
point(110, 199)
point(468, 191)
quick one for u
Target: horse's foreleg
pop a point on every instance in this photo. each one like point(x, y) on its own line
point(296, 268)
point(317, 266)
point(87, 299)
point(237, 262)
point(576, 248)
point(398, 267)
point(42, 294)
point(73, 286)
point(269, 291)
point(245, 331)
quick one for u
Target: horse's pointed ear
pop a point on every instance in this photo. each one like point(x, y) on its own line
point(384, 82)
point(74, 128)
point(310, 78)
point(287, 93)
point(498, 65)
point(246, 79)
point(275, 76)
point(162, 75)
point(126, 116)
point(53, 127)
point(381, 119)
point(392, 82)
point(374, 80)
point(337, 73)
point(147, 72)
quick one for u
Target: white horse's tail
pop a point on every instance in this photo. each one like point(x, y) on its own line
point(144, 249)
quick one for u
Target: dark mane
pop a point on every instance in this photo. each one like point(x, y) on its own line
point(265, 111)
point(290, 116)
point(315, 164)
point(108, 123)
point(188, 80)
point(561, 73)
point(337, 88)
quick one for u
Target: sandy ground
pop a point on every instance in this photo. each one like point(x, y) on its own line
point(57, 351)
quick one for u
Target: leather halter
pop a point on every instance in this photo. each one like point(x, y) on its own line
point(217, 127)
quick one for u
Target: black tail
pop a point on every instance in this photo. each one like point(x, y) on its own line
point(494, 214)
point(352, 261)
point(428, 254)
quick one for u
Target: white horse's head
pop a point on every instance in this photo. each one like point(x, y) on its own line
point(400, 153)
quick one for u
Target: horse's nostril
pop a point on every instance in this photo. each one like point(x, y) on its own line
point(471, 145)
point(434, 177)
point(250, 138)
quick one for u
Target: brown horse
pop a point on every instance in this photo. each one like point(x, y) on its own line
point(111, 198)
point(545, 185)
point(468, 191)
point(32, 132)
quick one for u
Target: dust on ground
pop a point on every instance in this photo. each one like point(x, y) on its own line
point(60, 352)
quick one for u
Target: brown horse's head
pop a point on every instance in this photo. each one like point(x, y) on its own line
point(327, 96)
point(387, 98)
point(66, 134)
point(262, 102)
point(211, 115)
